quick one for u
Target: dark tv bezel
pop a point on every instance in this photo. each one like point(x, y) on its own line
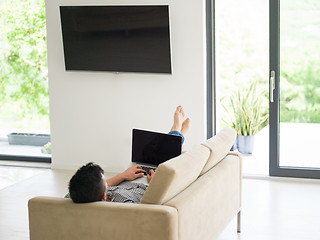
point(118, 70)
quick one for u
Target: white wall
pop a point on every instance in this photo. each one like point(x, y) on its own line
point(93, 113)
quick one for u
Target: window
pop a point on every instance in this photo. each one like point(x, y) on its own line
point(24, 95)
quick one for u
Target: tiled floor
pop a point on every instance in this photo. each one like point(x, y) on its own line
point(277, 210)
point(271, 209)
point(12, 175)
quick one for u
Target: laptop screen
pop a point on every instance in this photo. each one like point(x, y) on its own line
point(154, 148)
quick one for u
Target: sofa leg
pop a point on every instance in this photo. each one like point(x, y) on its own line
point(239, 222)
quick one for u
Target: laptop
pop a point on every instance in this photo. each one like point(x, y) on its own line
point(149, 149)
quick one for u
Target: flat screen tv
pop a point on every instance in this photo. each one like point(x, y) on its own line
point(116, 38)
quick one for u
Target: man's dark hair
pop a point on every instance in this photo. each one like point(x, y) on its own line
point(87, 184)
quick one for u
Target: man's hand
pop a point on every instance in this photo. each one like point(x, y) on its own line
point(130, 174)
point(150, 176)
point(133, 173)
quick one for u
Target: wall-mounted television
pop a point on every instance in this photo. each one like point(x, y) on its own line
point(116, 38)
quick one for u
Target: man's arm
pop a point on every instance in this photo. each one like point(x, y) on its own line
point(130, 174)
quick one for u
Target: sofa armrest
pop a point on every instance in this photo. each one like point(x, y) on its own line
point(58, 218)
point(207, 206)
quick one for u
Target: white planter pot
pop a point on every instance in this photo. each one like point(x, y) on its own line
point(245, 144)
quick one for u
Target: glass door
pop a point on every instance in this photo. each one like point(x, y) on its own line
point(24, 93)
point(294, 88)
point(241, 61)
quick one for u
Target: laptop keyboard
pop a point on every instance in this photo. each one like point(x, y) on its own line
point(147, 169)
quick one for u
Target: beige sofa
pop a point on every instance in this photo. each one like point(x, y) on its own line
point(193, 196)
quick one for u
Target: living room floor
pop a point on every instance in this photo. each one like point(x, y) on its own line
point(272, 208)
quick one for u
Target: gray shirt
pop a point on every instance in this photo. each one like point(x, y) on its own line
point(126, 192)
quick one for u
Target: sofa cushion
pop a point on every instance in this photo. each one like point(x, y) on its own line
point(175, 175)
point(219, 146)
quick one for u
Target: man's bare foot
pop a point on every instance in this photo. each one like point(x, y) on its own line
point(185, 126)
point(178, 119)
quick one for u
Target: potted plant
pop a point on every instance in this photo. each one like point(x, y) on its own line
point(248, 116)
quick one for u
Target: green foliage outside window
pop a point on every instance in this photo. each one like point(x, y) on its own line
point(300, 92)
point(23, 56)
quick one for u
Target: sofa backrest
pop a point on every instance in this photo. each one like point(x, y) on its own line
point(52, 218)
point(219, 146)
point(175, 175)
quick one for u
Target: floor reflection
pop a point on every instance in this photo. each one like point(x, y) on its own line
point(12, 175)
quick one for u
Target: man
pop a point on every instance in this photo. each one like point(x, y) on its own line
point(89, 184)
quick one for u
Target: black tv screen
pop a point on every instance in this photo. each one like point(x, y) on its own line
point(116, 38)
